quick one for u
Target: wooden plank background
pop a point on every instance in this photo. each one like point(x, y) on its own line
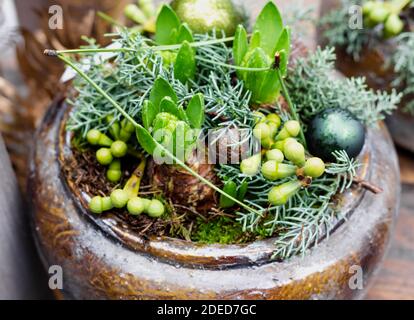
point(21, 274)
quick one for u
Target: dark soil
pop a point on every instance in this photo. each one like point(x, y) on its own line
point(182, 222)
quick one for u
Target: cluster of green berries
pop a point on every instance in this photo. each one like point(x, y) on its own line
point(120, 198)
point(284, 146)
point(110, 151)
point(266, 128)
point(386, 13)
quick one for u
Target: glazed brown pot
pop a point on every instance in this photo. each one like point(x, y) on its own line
point(103, 259)
point(379, 75)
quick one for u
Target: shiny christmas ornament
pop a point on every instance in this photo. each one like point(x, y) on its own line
point(332, 130)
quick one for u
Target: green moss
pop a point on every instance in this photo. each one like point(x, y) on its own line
point(223, 230)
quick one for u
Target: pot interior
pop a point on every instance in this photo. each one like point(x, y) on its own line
point(178, 250)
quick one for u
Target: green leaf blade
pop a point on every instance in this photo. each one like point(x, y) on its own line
point(283, 47)
point(269, 24)
point(160, 90)
point(167, 22)
point(168, 105)
point(195, 111)
point(148, 114)
point(255, 80)
point(240, 45)
point(270, 87)
point(231, 189)
point(184, 34)
point(185, 64)
point(145, 140)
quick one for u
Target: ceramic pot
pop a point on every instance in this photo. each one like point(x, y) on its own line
point(103, 259)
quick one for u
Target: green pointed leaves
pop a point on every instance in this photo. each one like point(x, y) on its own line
point(283, 49)
point(269, 24)
point(230, 188)
point(166, 26)
point(185, 63)
point(195, 111)
point(145, 140)
point(240, 45)
point(169, 30)
point(184, 34)
point(167, 126)
point(163, 99)
point(168, 105)
point(254, 41)
point(160, 90)
point(255, 80)
point(235, 191)
point(148, 114)
point(269, 37)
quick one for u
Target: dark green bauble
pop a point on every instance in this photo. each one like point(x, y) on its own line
point(203, 16)
point(335, 129)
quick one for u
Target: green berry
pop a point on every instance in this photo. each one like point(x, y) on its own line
point(267, 143)
point(105, 141)
point(379, 14)
point(368, 7)
point(146, 203)
point(136, 206)
point(259, 117)
point(127, 128)
point(114, 172)
point(95, 205)
point(275, 154)
point(250, 166)
point(119, 198)
point(115, 127)
point(280, 195)
point(104, 156)
point(314, 167)
point(295, 152)
point(107, 203)
point(261, 131)
point(273, 128)
point(274, 118)
point(280, 145)
point(119, 149)
point(100, 204)
point(96, 138)
point(93, 137)
point(290, 129)
point(393, 26)
point(273, 170)
point(155, 209)
point(114, 175)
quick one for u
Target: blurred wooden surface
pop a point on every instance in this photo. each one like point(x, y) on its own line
point(21, 274)
point(395, 280)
